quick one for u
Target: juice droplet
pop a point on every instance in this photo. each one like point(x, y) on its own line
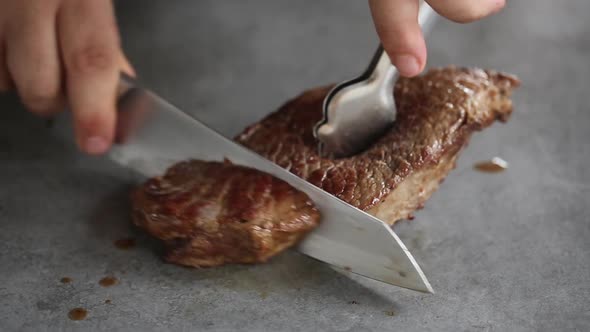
point(125, 243)
point(495, 165)
point(78, 314)
point(108, 281)
point(65, 280)
point(390, 313)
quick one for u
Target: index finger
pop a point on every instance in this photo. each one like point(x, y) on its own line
point(90, 48)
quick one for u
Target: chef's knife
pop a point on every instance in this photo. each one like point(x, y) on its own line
point(152, 134)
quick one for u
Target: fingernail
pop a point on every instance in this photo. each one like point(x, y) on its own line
point(96, 145)
point(498, 6)
point(406, 64)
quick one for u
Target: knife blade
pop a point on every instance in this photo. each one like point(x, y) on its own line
point(152, 134)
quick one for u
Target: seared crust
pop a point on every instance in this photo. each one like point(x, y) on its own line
point(211, 213)
point(436, 114)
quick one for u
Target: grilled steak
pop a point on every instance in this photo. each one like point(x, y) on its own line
point(214, 213)
point(436, 115)
point(210, 213)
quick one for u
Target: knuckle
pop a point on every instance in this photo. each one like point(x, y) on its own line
point(90, 59)
point(40, 98)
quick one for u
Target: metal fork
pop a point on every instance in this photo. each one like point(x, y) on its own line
point(358, 111)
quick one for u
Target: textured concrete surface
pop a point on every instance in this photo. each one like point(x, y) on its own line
point(504, 252)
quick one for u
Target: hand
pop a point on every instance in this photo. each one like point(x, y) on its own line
point(58, 51)
point(396, 22)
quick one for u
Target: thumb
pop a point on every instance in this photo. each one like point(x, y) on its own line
point(396, 22)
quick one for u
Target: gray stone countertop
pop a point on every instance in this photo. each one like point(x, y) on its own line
point(504, 252)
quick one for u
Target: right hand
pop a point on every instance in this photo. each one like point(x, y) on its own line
point(55, 52)
point(396, 22)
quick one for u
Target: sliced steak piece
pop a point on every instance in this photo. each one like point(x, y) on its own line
point(436, 115)
point(210, 213)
